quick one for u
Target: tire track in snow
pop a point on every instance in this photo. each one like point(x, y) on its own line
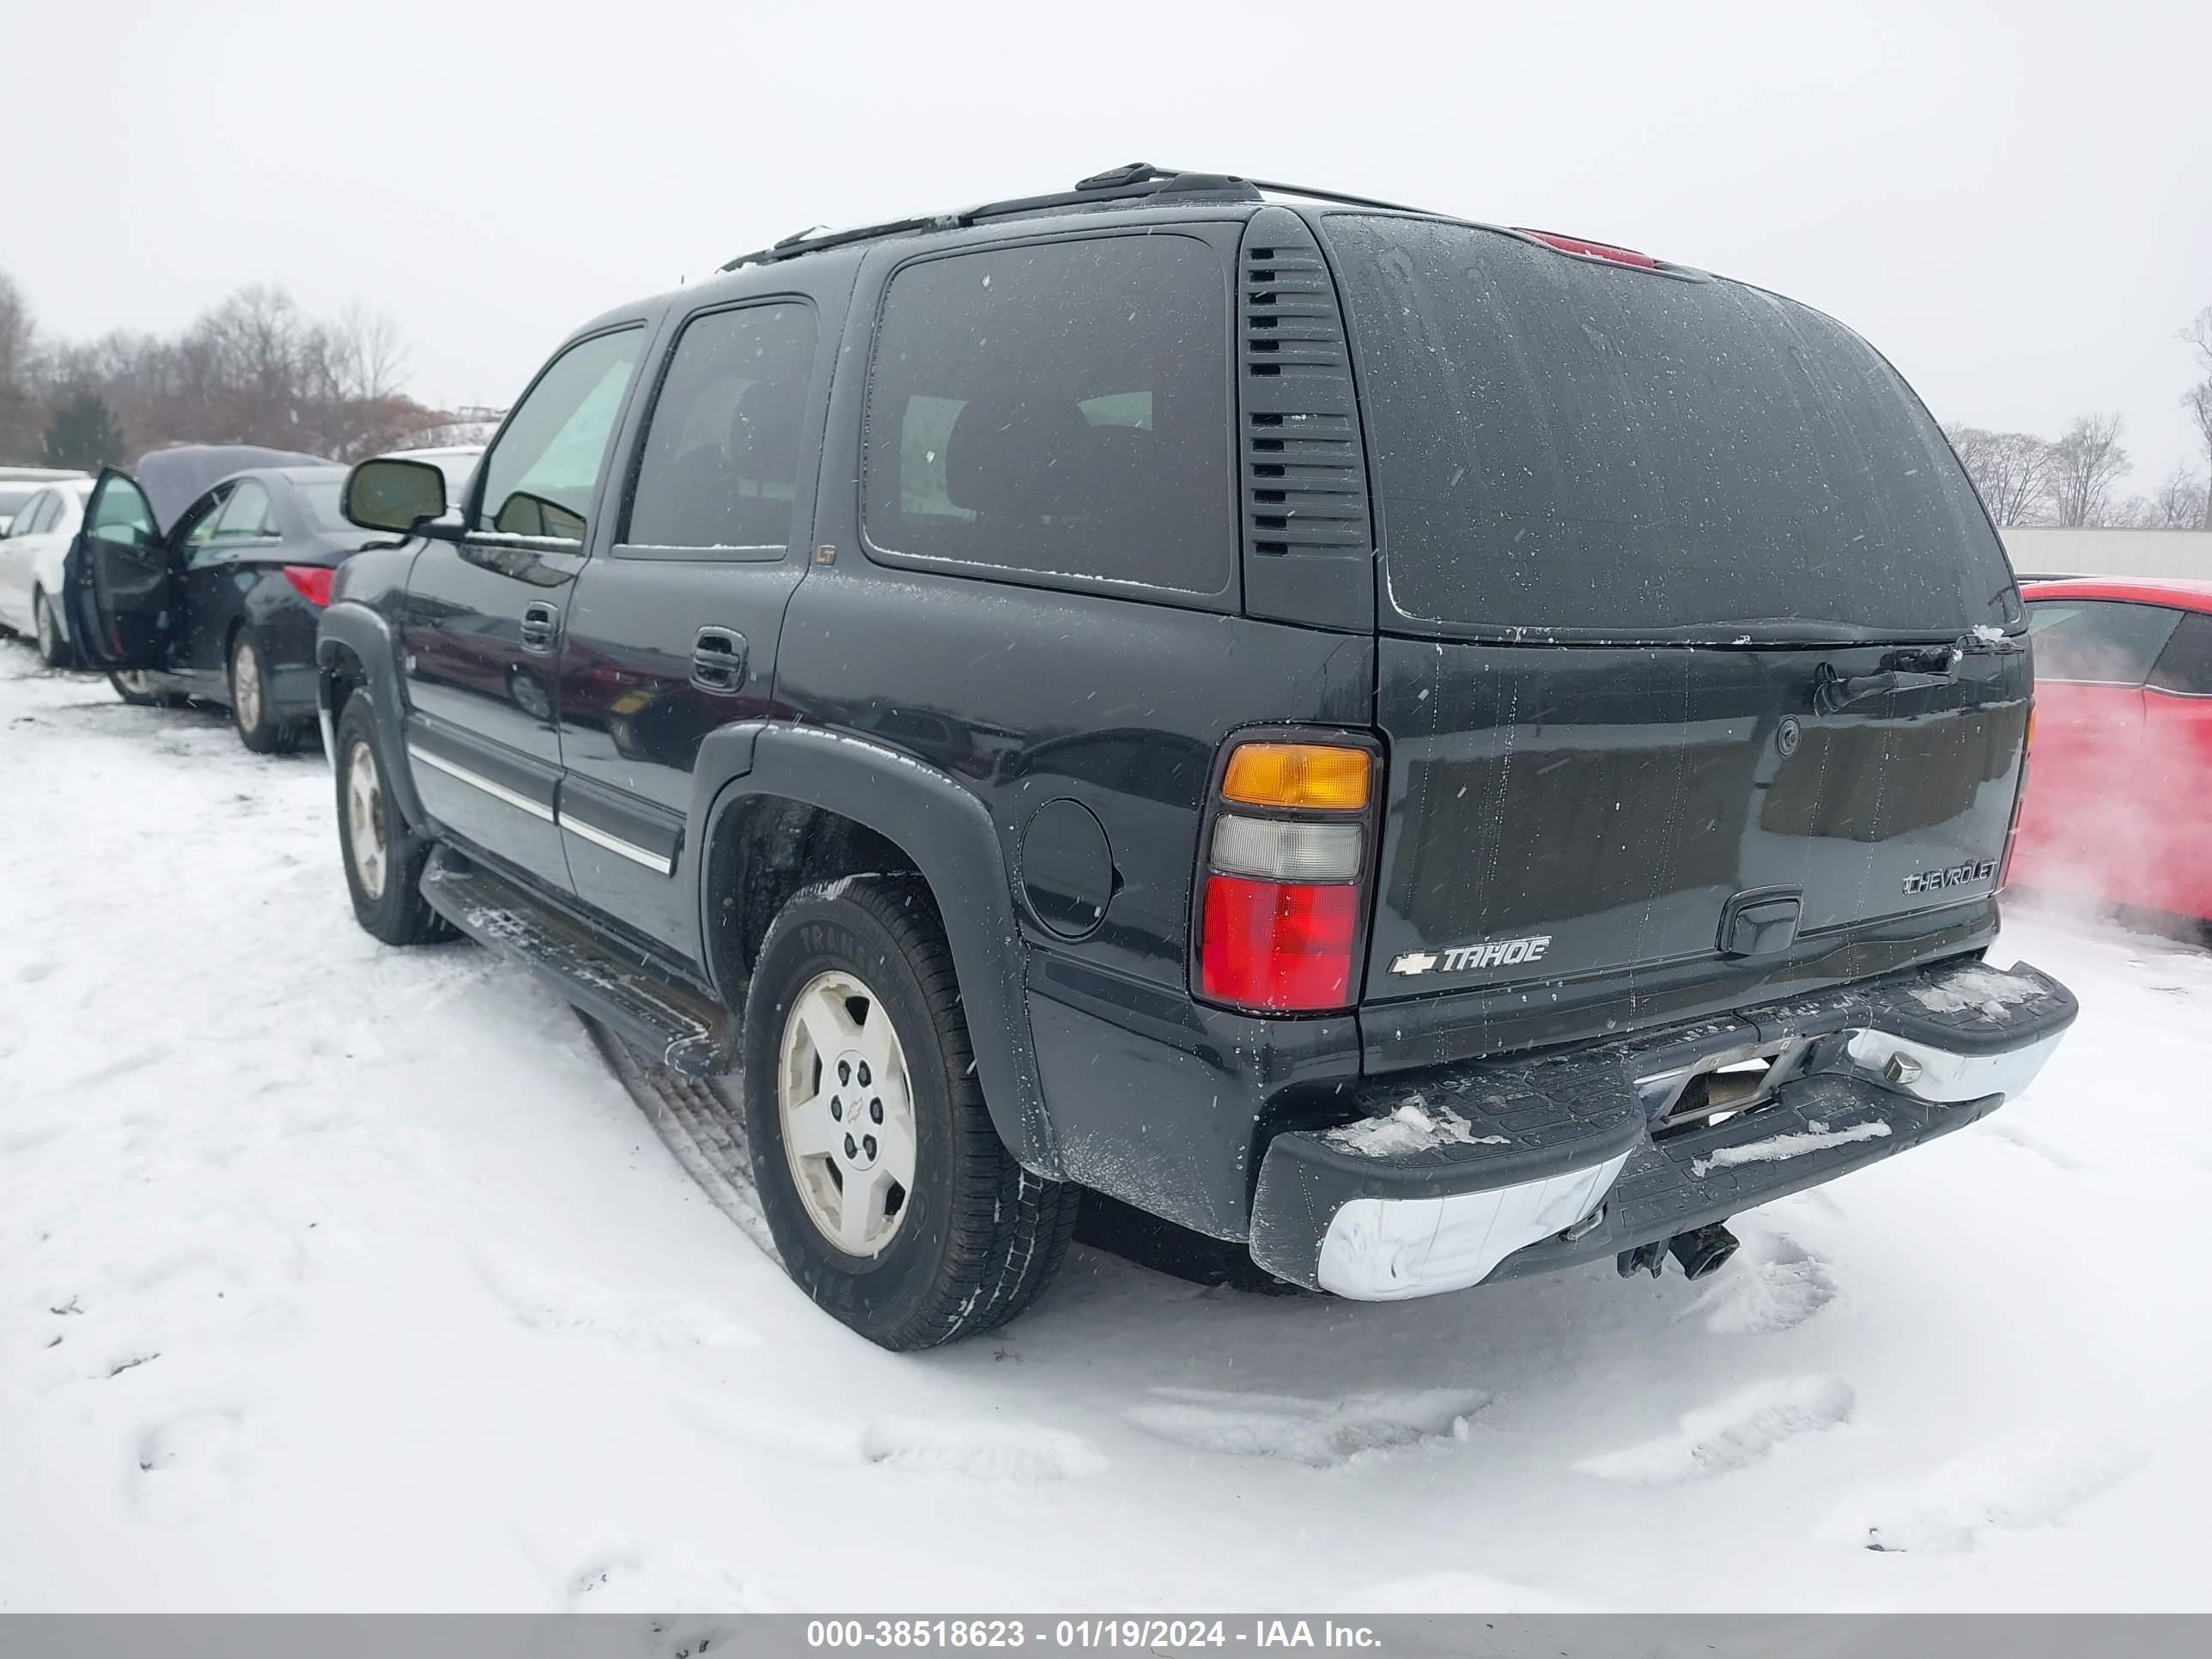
point(1732, 1434)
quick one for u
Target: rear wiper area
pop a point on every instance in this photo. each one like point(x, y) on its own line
point(1908, 668)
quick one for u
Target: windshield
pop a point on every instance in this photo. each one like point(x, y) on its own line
point(13, 496)
point(1573, 447)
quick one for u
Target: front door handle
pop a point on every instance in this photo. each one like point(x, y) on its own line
point(718, 661)
point(539, 622)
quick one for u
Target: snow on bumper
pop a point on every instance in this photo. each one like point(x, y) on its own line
point(1494, 1170)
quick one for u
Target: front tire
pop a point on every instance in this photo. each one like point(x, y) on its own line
point(253, 705)
point(54, 650)
point(383, 858)
point(891, 1199)
point(135, 687)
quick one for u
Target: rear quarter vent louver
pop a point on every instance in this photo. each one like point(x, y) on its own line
point(1302, 475)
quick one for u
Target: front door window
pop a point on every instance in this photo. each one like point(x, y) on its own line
point(540, 477)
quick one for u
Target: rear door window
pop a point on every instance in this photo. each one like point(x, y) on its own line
point(1567, 446)
point(720, 470)
point(2185, 665)
point(249, 516)
point(2098, 641)
point(1058, 410)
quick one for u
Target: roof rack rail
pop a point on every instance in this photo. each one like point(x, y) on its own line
point(1133, 181)
point(1311, 194)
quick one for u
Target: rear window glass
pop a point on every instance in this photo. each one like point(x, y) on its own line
point(1060, 409)
point(320, 497)
point(1562, 445)
point(2099, 641)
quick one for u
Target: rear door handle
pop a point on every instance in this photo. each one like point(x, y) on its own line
point(718, 661)
point(539, 622)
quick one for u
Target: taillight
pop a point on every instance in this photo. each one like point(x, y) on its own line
point(1590, 250)
point(313, 582)
point(2019, 804)
point(1279, 924)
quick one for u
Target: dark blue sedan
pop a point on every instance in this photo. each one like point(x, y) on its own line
point(214, 600)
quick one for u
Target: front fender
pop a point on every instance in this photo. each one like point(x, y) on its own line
point(949, 835)
point(350, 629)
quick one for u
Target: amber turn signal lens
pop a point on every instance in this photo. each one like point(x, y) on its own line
point(1309, 775)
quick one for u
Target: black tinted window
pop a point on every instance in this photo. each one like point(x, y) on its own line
point(2186, 665)
point(720, 466)
point(1559, 443)
point(1060, 409)
point(2103, 641)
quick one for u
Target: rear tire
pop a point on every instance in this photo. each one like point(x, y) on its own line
point(970, 1238)
point(54, 650)
point(383, 858)
point(253, 704)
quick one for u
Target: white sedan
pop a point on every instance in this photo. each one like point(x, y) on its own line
point(31, 555)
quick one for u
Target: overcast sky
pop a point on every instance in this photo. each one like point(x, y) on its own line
point(2013, 201)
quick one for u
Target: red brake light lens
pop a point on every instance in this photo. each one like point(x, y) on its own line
point(1281, 946)
point(313, 582)
point(1590, 250)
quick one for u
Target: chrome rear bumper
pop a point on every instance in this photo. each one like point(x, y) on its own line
point(1489, 1170)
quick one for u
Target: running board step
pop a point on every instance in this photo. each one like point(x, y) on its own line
point(679, 1024)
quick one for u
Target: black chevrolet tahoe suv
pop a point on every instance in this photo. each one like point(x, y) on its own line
point(1433, 750)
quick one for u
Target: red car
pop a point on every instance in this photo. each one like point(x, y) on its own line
point(2120, 786)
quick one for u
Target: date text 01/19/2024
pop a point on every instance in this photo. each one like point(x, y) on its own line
point(1142, 1634)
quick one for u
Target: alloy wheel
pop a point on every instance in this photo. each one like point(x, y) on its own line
point(846, 1105)
point(50, 633)
point(246, 686)
point(364, 801)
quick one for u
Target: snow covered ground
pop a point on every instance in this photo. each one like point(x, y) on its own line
point(338, 1277)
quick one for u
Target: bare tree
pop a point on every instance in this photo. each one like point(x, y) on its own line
point(255, 369)
point(367, 354)
point(2197, 400)
point(2085, 463)
point(19, 394)
point(2176, 504)
point(2011, 470)
point(2180, 501)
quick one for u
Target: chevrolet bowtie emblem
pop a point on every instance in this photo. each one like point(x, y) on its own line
point(1414, 961)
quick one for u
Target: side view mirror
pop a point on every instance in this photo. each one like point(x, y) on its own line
point(392, 494)
point(525, 515)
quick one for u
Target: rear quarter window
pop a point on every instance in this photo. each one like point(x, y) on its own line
point(2185, 665)
point(1057, 410)
point(1566, 445)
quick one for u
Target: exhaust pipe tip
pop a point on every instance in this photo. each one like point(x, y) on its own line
point(1704, 1250)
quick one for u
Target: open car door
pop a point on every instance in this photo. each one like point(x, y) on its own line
point(117, 578)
